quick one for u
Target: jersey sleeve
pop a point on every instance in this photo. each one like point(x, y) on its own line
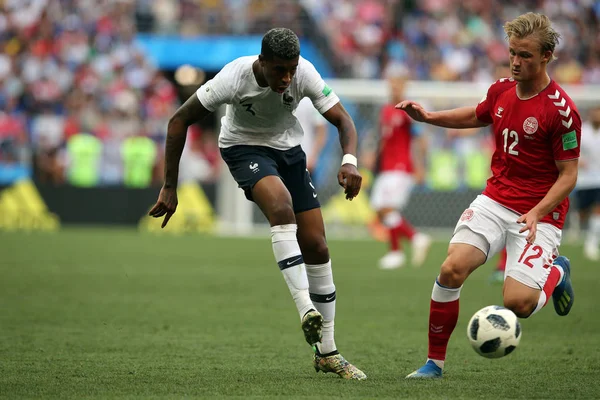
point(315, 88)
point(317, 118)
point(484, 108)
point(218, 90)
point(566, 131)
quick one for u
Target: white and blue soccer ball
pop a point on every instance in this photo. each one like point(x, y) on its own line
point(494, 331)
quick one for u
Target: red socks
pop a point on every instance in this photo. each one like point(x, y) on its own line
point(406, 229)
point(443, 316)
point(403, 229)
point(551, 282)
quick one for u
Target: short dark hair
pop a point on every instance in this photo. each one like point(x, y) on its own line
point(280, 42)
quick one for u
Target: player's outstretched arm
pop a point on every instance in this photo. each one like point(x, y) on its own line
point(348, 176)
point(463, 117)
point(190, 112)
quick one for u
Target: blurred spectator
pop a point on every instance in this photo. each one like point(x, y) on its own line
point(71, 66)
point(83, 160)
point(139, 158)
point(13, 137)
point(452, 39)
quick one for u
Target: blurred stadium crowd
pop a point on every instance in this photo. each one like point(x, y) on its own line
point(81, 104)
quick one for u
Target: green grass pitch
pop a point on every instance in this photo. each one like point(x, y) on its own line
point(108, 313)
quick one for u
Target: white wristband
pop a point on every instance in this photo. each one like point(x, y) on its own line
point(349, 159)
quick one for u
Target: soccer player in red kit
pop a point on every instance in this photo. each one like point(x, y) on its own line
point(397, 174)
point(537, 130)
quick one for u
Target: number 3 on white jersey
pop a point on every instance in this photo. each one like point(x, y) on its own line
point(515, 140)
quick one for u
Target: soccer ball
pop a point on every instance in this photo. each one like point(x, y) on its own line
point(494, 331)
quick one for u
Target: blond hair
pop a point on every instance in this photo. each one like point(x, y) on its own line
point(532, 24)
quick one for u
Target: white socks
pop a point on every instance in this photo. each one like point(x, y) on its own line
point(289, 258)
point(443, 294)
point(541, 302)
point(593, 235)
point(299, 278)
point(322, 294)
point(543, 299)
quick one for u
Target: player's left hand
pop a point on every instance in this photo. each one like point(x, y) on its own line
point(530, 220)
point(349, 178)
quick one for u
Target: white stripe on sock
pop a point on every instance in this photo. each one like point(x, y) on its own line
point(443, 294)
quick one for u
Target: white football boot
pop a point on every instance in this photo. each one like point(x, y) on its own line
point(392, 260)
point(420, 247)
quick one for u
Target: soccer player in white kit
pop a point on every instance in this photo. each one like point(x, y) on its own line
point(588, 183)
point(260, 142)
point(537, 131)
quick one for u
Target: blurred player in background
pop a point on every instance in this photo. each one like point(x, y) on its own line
point(497, 275)
point(260, 142)
point(588, 184)
point(315, 132)
point(534, 168)
point(397, 174)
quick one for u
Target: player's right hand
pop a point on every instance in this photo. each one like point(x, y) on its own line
point(413, 109)
point(165, 205)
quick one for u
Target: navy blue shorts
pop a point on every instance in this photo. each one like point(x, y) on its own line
point(587, 198)
point(249, 164)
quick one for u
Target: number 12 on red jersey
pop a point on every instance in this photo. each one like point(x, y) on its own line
point(514, 137)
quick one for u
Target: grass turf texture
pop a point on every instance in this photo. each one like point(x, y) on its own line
point(104, 313)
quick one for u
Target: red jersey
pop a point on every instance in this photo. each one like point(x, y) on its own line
point(397, 130)
point(530, 136)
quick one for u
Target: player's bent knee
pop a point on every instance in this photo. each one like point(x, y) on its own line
point(281, 214)
point(452, 274)
point(320, 249)
point(522, 308)
point(315, 251)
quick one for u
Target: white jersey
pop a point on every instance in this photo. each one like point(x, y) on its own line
point(257, 115)
point(589, 161)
